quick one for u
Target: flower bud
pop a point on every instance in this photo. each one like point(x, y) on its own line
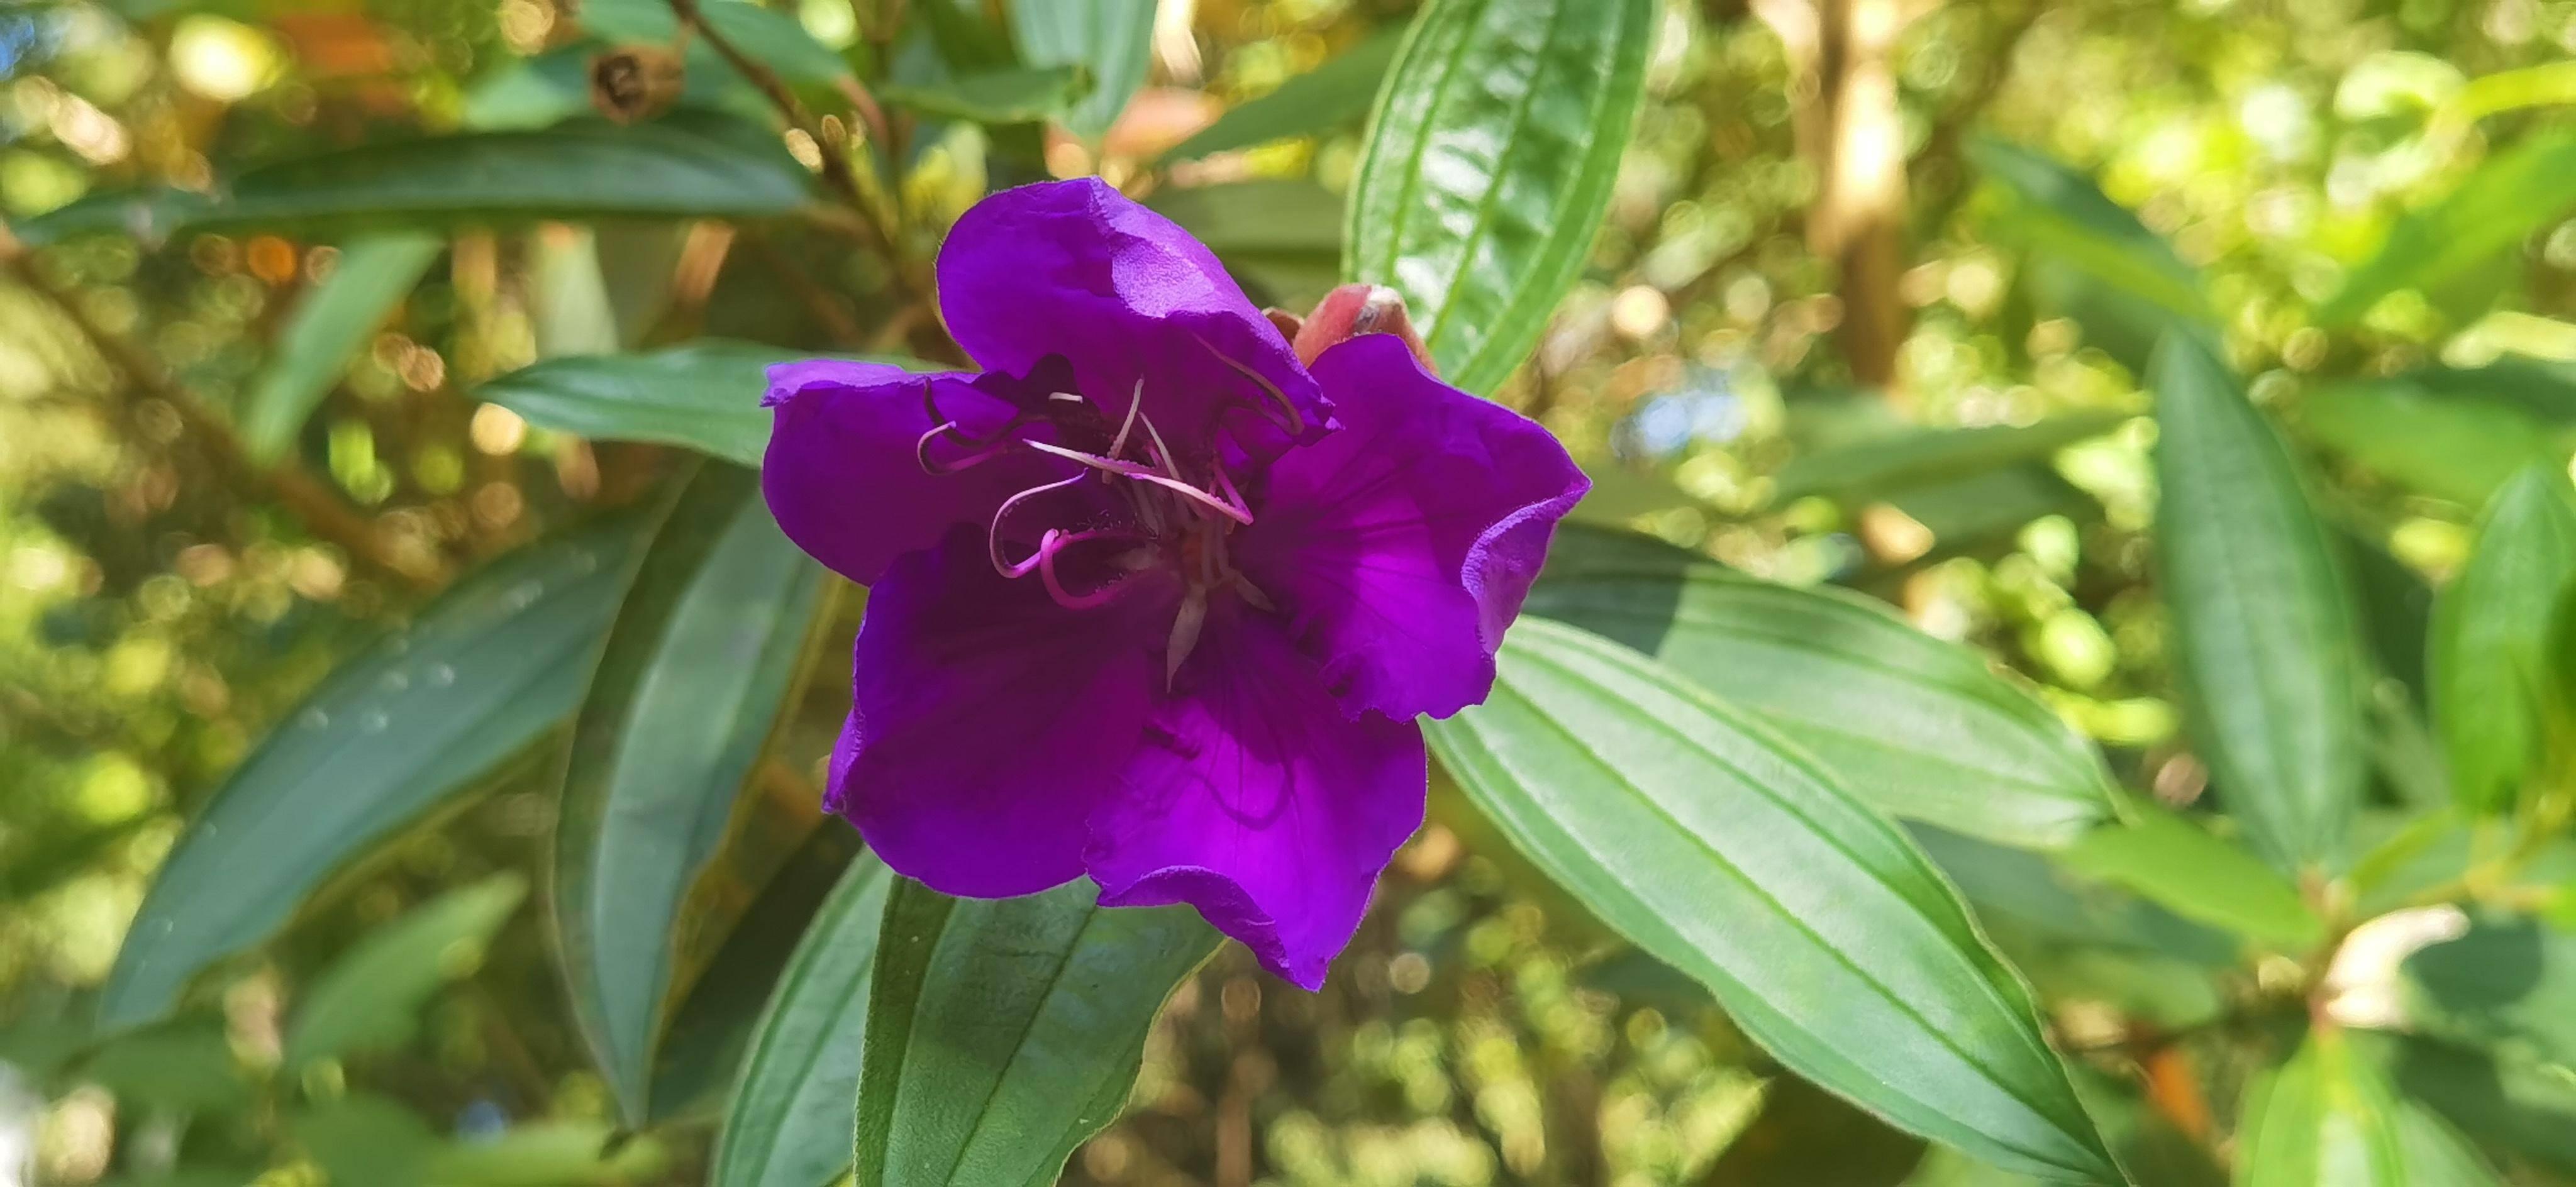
point(635, 82)
point(1348, 312)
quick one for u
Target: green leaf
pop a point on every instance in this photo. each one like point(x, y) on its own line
point(703, 653)
point(2513, 194)
point(1280, 237)
point(1001, 1033)
point(367, 1139)
point(772, 38)
point(2265, 637)
point(2506, 1102)
point(1324, 98)
point(2491, 639)
point(1877, 468)
point(690, 165)
point(2329, 1119)
point(1711, 842)
point(702, 1050)
point(1110, 40)
point(2455, 445)
point(2504, 985)
point(490, 668)
point(2182, 867)
point(371, 997)
point(550, 1154)
point(1919, 727)
point(702, 395)
point(1022, 96)
point(2061, 214)
point(789, 1123)
point(329, 326)
point(1489, 165)
point(2037, 894)
point(184, 1066)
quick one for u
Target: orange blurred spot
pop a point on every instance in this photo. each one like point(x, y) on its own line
point(272, 259)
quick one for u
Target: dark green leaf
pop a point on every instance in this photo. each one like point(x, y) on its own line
point(1919, 727)
point(2518, 191)
point(1317, 101)
point(371, 997)
point(2506, 1102)
point(1002, 1033)
point(2491, 638)
point(703, 395)
point(2060, 213)
point(485, 672)
point(330, 325)
point(692, 164)
point(2180, 866)
point(1489, 165)
point(703, 653)
point(185, 1066)
point(789, 1123)
point(1112, 41)
point(2265, 637)
point(996, 96)
point(2504, 985)
point(703, 1048)
point(1877, 468)
point(1283, 237)
point(2036, 894)
point(367, 1139)
point(1711, 842)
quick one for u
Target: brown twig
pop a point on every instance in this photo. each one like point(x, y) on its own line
point(311, 501)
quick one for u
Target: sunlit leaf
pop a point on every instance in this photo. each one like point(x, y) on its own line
point(486, 671)
point(1917, 727)
point(328, 328)
point(1001, 1033)
point(703, 395)
point(2491, 641)
point(2329, 1119)
point(1489, 165)
point(704, 651)
point(2516, 192)
point(2060, 213)
point(2179, 865)
point(769, 36)
point(997, 96)
point(2457, 445)
point(1710, 841)
point(789, 1123)
point(2265, 636)
point(1933, 455)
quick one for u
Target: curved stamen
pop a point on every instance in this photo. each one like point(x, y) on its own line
point(1230, 510)
point(1135, 404)
point(993, 535)
point(1288, 417)
point(979, 451)
point(1066, 598)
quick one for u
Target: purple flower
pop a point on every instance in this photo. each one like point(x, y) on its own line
point(1152, 600)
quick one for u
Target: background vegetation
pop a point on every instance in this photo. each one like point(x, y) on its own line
point(356, 361)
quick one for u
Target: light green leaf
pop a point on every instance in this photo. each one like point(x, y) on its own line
point(1001, 1033)
point(2037, 894)
point(184, 1066)
point(329, 326)
point(1111, 40)
point(2514, 193)
point(2328, 1118)
point(773, 38)
point(1711, 842)
point(2491, 639)
point(1876, 468)
point(371, 997)
point(995, 96)
point(2061, 214)
point(363, 1138)
point(1317, 101)
point(702, 395)
point(2459, 446)
point(789, 1123)
point(1918, 727)
point(2180, 866)
point(491, 667)
point(2505, 985)
point(2265, 636)
point(691, 164)
point(551, 1154)
point(1489, 165)
point(1283, 237)
point(704, 651)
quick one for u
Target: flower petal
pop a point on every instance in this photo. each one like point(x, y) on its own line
point(842, 473)
point(1078, 269)
point(1404, 543)
point(1256, 800)
point(987, 721)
